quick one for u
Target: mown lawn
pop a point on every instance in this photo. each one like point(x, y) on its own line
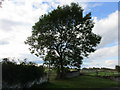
point(80, 82)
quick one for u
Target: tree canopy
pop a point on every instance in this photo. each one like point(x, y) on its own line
point(64, 36)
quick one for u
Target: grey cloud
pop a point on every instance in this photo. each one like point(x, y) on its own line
point(7, 25)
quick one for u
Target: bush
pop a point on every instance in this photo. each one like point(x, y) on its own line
point(22, 73)
point(117, 67)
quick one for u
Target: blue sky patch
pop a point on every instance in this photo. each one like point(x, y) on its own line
point(102, 9)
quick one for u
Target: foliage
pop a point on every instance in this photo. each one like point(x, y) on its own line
point(64, 36)
point(117, 67)
point(24, 72)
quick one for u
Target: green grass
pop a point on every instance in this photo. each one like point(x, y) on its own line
point(89, 80)
point(102, 73)
point(81, 82)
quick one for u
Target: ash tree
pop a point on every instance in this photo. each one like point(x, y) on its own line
point(64, 36)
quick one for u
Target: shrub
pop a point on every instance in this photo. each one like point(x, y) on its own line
point(22, 73)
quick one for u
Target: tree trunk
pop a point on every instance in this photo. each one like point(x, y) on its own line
point(60, 71)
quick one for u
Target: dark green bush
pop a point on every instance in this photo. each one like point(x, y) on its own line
point(24, 72)
point(117, 67)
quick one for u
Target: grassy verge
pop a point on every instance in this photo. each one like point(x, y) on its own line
point(81, 82)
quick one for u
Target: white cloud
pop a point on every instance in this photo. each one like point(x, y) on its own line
point(108, 29)
point(109, 63)
point(63, 2)
point(106, 54)
point(103, 57)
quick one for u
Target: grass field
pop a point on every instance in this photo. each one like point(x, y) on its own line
point(101, 73)
point(82, 81)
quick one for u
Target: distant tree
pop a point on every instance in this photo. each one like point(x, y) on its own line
point(85, 68)
point(117, 67)
point(64, 36)
point(106, 69)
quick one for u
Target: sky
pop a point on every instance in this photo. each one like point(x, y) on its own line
point(18, 16)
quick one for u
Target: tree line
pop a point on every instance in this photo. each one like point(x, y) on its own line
point(117, 68)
